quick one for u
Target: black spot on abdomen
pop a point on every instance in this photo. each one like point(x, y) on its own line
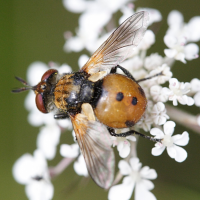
point(134, 101)
point(119, 96)
point(129, 123)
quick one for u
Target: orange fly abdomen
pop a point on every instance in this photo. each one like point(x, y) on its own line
point(122, 102)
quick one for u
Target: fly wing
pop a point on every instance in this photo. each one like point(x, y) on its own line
point(95, 144)
point(119, 45)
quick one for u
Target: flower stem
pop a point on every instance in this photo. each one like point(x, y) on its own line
point(183, 118)
point(60, 167)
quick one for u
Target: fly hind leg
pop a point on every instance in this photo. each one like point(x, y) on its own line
point(132, 132)
point(128, 74)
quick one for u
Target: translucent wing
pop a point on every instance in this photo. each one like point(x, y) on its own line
point(95, 144)
point(119, 45)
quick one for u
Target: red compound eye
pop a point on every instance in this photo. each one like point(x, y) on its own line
point(48, 73)
point(40, 103)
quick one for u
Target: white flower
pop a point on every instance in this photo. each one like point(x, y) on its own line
point(122, 143)
point(136, 177)
point(75, 6)
point(193, 29)
point(159, 93)
point(35, 72)
point(127, 11)
point(64, 123)
point(133, 64)
point(170, 142)
point(167, 74)
point(32, 171)
point(197, 99)
point(73, 151)
point(48, 139)
point(153, 61)
point(195, 85)
point(69, 151)
point(177, 27)
point(175, 22)
point(145, 122)
point(147, 41)
point(80, 166)
point(178, 50)
point(82, 60)
point(140, 74)
point(159, 113)
point(94, 11)
point(179, 34)
point(179, 91)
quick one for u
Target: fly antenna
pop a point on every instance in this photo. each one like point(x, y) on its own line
point(28, 87)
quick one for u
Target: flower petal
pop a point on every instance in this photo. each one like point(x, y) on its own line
point(69, 151)
point(181, 154)
point(147, 41)
point(171, 151)
point(127, 180)
point(197, 99)
point(124, 167)
point(158, 149)
point(121, 192)
point(135, 164)
point(157, 133)
point(180, 56)
point(22, 169)
point(80, 167)
point(170, 53)
point(35, 71)
point(170, 41)
point(141, 193)
point(48, 139)
point(39, 190)
point(148, 173)
point(175, 18)
point(181, 139)
point(147, 184)
point(169, 127)
point(82, 60)
point(194, 29)
point(191, 51)
point(190, 101)
point(131, 137)
point(76, 6)
point(124, 152)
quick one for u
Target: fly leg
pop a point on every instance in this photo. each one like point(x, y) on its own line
point(129, 75)
point(61, 116)
point(150, 77)
point(132, 132)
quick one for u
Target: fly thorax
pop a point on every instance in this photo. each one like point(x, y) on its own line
point(72, 90)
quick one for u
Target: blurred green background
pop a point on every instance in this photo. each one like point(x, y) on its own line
point(33, 31)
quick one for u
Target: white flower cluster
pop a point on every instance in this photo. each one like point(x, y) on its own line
point(95, 24)
point(180, 35)
point(33, 170)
